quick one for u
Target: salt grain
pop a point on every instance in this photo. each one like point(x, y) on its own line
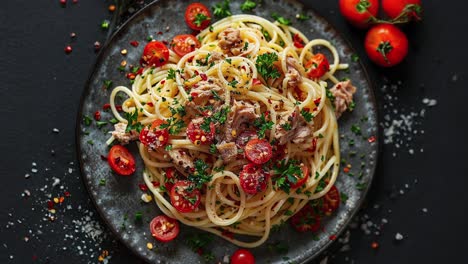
point(55, 130)
point(424, 210)
point(399, 236)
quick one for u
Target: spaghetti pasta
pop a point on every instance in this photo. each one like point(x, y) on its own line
point(283, 105)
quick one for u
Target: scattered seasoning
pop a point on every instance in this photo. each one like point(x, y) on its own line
point(332, 237)
point(72, 35)
point(399, 237)
point(123, 52)
point(102, 182)
point(68, 49)
point(149, 245)
point(97, 46)
point(134, 43)
point(371, 139)
point(97, 115)
point(105, 24)
point(375, 245)
point(111, 8)
point(63, 2)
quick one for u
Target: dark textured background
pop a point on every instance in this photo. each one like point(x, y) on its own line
point(41, 87)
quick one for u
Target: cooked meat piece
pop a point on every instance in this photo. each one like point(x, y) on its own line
point(122, 136)
point(228, 151)
point(203, 90)
point(293, 73)
point(182, 161)
point(230, 41)
point(192, 110)
point(298, 129)
point(242, 112)
point(215, 56)
point(343, 93)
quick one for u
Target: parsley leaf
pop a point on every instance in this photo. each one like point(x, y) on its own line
point(262, 125)
point(302, 17)
point(248, 5)
point(132, 121)
point(173, 125)
point(199, 19)
point(307, 115)
point(280, 19)
point(222, 9)
point(200, 176)
point(265, 65)
point(171, 74)
point(286, 173)
point(107, 84)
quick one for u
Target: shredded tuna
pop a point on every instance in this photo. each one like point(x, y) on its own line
point(215, 56)
point(230, 41)
point(205, 90)
point(228, 151)
point(241, 113)
point(192, 110)
point(182, 161)
point(293, 73)
point(343, 93)
point(122, 136)
point(298, 131)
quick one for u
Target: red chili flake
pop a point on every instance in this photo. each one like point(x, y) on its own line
point(228, 234)
point(196, 72)
point(194, 95)
point(118, 107)
point(68, 49)
point(160, 33)
point(163, 82)
point(204, 77)
point(97, 115)
point(150, 104)
point(140, 71)
point(332, 237)
point(375, 245)
point(63, 2)
point(155, 184)
point(143, 187)
point(314, 144)
point(97, 46)
point(298, 41)
point(372, 139)
point(317, 101)
point(165, 42)
point(61, 199)
point(103, 157)
point(130, 76)
point(346, 169)
point(269, 101)
point(106, 106)
point(315, 109)
point(134, 43)
point(256, 81)
point(190, 59)
point(67, 194)
point(50, 204)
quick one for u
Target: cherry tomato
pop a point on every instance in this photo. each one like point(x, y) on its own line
point(258, 151)
point(197, 16)
point(164, 228)
point(184, 197)
point(303, 180)
point(358, 12)
point(253, 178)
point(245, 137)
point(298, 41)
point(386, 45)
point(318, 66)
point(331, 201)
point(121, 160)
point(183, 44)
point(155, 54)
point(408, 8)
point(154, 137)
point(242, 256)
point(199, 136)
point(306, 220)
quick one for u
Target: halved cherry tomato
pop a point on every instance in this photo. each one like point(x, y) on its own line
point(331, 201)
point(300, 181)
point(164, 228)
point(358, 12)
point(409, 8)
point(154, 137)
point(184, 197)
point(245, 137)
point(242, 256)
point(298, 41)
point(155, 54)
point(386, 45)
point(183, 44)
point(318, 66)
point(253, 178)
point(306, 220)
point(121, 160)
point(258, 151)
point(199, 136)
point(197, 16)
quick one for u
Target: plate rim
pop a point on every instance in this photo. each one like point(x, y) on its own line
point(87, 87)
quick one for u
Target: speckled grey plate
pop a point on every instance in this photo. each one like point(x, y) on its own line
point(119, 199)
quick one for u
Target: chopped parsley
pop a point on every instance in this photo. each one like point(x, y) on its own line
point(216, 95)
point(307, 115)
point(171, 74)
point(168, 147)
point(286, 126)
point(138, 216)
point(213, 149)
point(351, 106)
point(113, 121)
point(266, 34)
point(87, 120)
point(199, 19)
point(262, 125)
point(361, 186)
point(173, 125)
point(248, 5)
point(302, 17)
point(280, 19)
point(200, 176)
point(222, 9)
point(107, 84)
point(265, 65)
point(246, 46)
point(354, 57)
point(287, 173)
point(330, 95)
point(233, 83)
point(132, 121)
point(356, 129)
point(228, 60)
point(278, 247)
point(102, 182)
point(219, 169)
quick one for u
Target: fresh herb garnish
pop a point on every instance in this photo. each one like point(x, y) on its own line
point(286, 173)
point(351, 106)
point(278, 247)
point(356, 129)
point(213, 149)
point(262, 125)
point(354, 57)
point(102, 182)
point(216, 95)
point(330, 95)
point(280, 19)
point(87, 120)
point(248, 5)
point(173, 125)
point(200, 176)
point(171, 74)
point(132, 121)
point(138, 216)
point(233, 83)
point(113, 121)
point(168, 147)
point(307, 115)
point(100, 124)
point(199, 19)
point(265, 65)
point(286, 126)
point(221, 10)
point(343, 197)
point(107, 84)
point(302, 17)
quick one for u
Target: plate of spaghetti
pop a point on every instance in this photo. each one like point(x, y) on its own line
point(253, 137)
